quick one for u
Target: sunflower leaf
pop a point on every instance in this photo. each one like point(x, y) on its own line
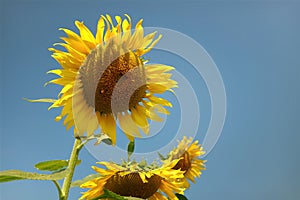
point(109, 195)
point(77, 183)
point(181, 197)
point(13, 175)
point(53, 165)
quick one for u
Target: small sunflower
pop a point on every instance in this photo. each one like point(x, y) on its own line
point(105, 79)
point(133, 180)
point(189, 152)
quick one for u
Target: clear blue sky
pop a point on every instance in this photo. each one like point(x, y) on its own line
point(255, 45)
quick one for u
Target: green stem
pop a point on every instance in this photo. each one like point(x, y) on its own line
point(71, 167)
point(58, 189)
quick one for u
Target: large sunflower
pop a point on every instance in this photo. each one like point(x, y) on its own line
point(133, 180)
point(105, 79)
point(190, 163)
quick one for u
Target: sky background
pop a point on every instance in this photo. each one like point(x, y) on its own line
point(255, 45)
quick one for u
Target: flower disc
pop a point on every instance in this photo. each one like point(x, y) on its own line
point(132, 185)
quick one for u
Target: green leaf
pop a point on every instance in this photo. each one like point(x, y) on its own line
point(7, 178)
point(53, 165)
point(181, 197)
point(109, 195)
point(13, 175)
point(130, 148)
point(77, 183)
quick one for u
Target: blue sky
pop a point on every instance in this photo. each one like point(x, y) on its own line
point(255, 45)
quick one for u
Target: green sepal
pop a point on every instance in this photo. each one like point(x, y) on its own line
point(181, 197)
point(162, 157)
point(130, 148)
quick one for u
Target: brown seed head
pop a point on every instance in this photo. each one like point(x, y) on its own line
point(132, 185)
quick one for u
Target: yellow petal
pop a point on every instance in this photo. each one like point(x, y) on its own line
point(143, 111)
point(119, 21)
point(85, 33)
point(157, 68)
point(112, 166)
point(137, 37)
point(80, 56)
point(150, 46)
point(158, 100)
point(69, 124)
point(67, 89)
point(100, 30)
point(143, 177)
point(141, 120)
point(161, 76)
point(109, 20)
point(127, 125)
point(41, 100)
point(156, 88)
point(108, 126)
point(130, 137)
point(148, 39)
point(161, 109)
point(151, 111)
point(65, 59)
point(108, 31)
point(167, 190)
point(68, 119)
point(126, 26)
point(82, 120)
point(92, 125)
point(75, 41)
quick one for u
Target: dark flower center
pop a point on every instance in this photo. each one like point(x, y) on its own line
point(113, 80)
point(122, 85)
point(185, 163)
point(132, 185)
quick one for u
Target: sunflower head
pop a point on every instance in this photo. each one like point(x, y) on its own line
point(105, 79)
point(188, 152)
point(136, 180)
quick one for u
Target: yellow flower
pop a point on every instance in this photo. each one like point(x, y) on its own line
point(105, 79)
point(189, 163)
point(135, 181)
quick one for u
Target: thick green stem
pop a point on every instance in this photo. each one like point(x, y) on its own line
point(71, 167)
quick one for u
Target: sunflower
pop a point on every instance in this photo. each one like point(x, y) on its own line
point(106, 80)
point(189, 152)
point(133, 180)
